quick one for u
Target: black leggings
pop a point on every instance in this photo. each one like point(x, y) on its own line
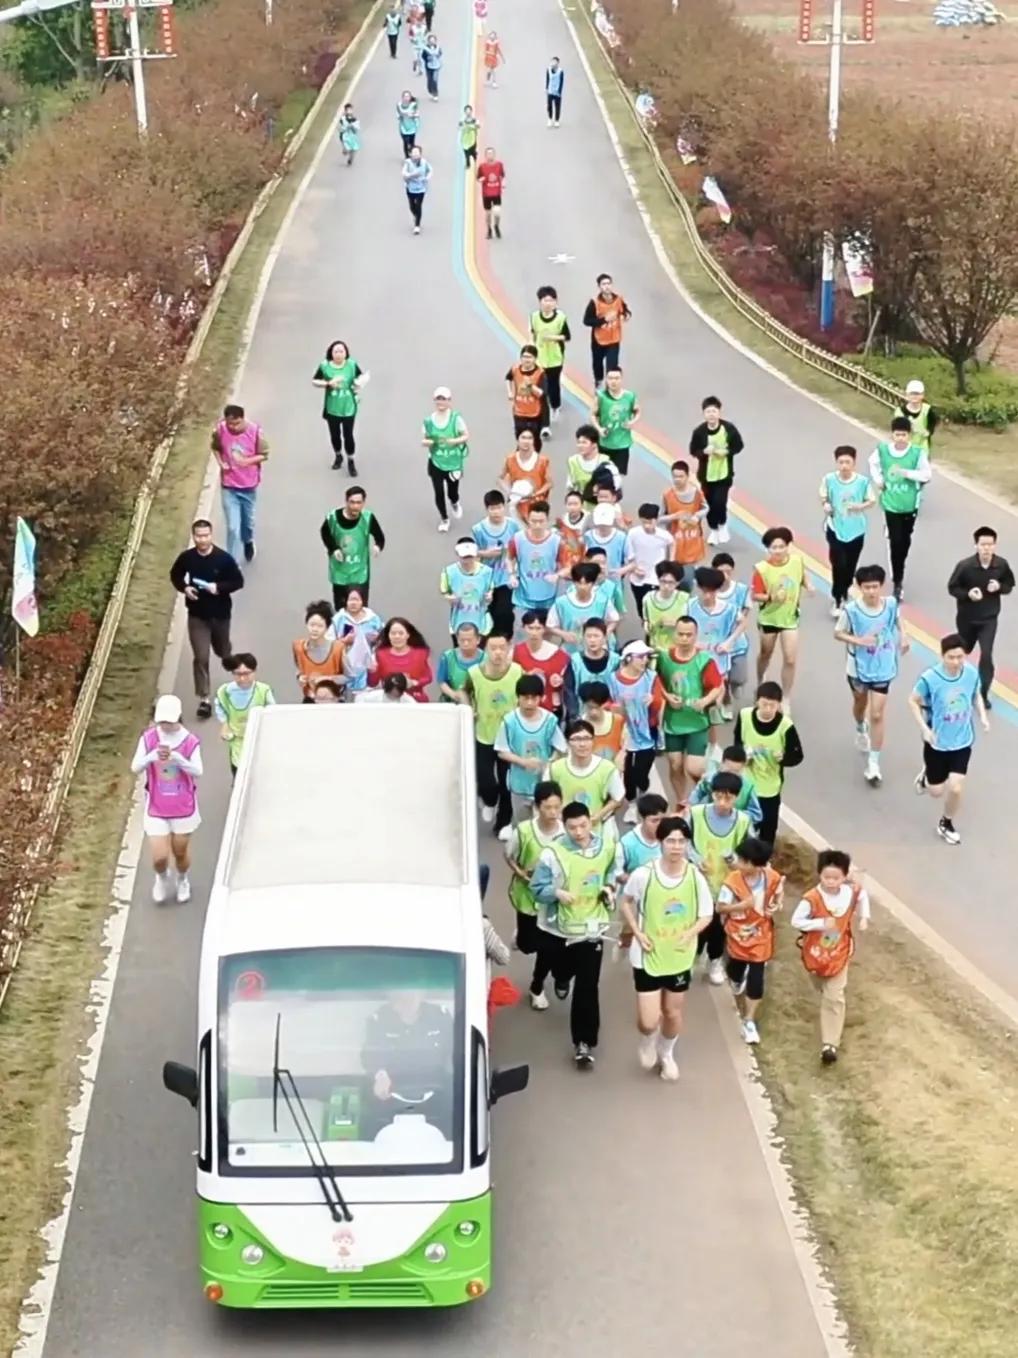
point(416, 204)
point(555, 106)
point(712, 938)
point(716, 495)
point(409, 142)
point(581, 964)
point(493, 783)
point(443, 484)
point(844, 557)
point(900, 528)
point(981, 634)
point(393, 40)
point(636, 772)
point(469, 154)
point(553, 387)
point(738, 967)
point(341, 434)
point(603, 358)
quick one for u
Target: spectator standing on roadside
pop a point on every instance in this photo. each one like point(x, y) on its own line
point(977, 585)
point(921, 416)
point(170, 757)
point(208, 577)
point(240, 449)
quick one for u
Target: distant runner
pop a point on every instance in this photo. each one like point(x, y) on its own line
point(349, 132)
point(554, 84)
point(549, 329)
point(446, 438)
point(491, 174)
point(416, 178)
point(899, 470)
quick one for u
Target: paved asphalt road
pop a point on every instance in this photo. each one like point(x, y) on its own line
point(623, 1205)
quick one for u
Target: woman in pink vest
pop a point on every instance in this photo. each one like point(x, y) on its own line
point(170, 758)
point(240, 449)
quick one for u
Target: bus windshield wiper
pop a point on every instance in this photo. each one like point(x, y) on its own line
point(284, 1083)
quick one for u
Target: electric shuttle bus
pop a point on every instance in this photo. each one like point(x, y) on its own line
point(342, 1083)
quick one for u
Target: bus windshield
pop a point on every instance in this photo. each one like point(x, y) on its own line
point(372, 1041)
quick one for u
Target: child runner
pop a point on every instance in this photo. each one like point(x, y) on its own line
point(871, 629)
point(942, 703)
point(536, 562)
point(235, 700)
point(772, 745)
point(470, 130)
point(609, 725)
point(492, 535)
point(826, 918)
point(684, 509)
point(535, 654)
point(738, 592)
point(688, 684)
point(446, 438)
point(845, 495)
point(666, 904)
point(778, 585)
point(733, 760)
point(749, 898)
point(349, 132)
point(170, 757)
point(467, 587)
point(549, 330)
point(456, 663)
point(664, 606)
point(717, 827)
point(647, 547)
point(526, 740)
point(529, 838)
point(715, 444)
point(632, 690)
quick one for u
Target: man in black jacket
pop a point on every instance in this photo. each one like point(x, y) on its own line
point(977, 584)
point(207, 576)
point(714, 444)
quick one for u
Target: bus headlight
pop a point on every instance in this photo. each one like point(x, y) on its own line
point(435, 1253)
point(252, 1254)
point(466, 1229)
point(221, 1231)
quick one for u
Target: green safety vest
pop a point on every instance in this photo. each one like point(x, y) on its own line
point(590, 788)
point(580, 476)
point(528, 852)
point(660, 619)
point(899, 495)
point(684, 678)
point(716, 849)
point(355, 544)
point(549, 354)
point(446, 459)
point(788, 577)
point(341, 401)
point(456, 672)
point(586, 878)
point(493, 699)
point(468, 133)
point(763, 753)
point(612, 412)
point(719, 468)
point(920, 424)
point(236, 717)
point(665, 913)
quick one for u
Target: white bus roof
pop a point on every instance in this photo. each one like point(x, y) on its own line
point(365, 794)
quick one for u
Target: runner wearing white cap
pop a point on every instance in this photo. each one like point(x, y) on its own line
point(446, 438)
point(920, 414)
point(169, 755)
point(632, 690)
point(468, 585)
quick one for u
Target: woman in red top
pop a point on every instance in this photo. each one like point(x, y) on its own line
point(491, 173)
point(402, 650)
point(536, 655)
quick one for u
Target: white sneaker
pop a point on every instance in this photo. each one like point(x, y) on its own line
point(443, 525)
point(505, 834)
point(716, 972)
point(750, 1032)
point(669, 1069)
point(862, 738)
point(712, 538)
point(183, 889)
point(646, 1051)
point(919, 783)
point(631, 816)
point(487, 814)
point(538, 1002)
point(550, 123)
point(726, 712)
point(723, 534)
point(835, 609)
point(872, 773)
point(417, 230)
point(456, 510)
point(160, 887)
point(555, 416)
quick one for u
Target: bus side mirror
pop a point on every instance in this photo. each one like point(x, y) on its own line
point(182, 1080)
point(513, 1080)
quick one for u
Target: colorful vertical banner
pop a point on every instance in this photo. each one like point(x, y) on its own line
point(858, 269)
point(24, 607)
point(805, 20)
point(712, 192)
point(868, 20)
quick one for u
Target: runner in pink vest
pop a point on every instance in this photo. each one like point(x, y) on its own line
point(169, 755)
point(240, 449)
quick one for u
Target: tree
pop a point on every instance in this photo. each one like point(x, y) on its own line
point(53, 48)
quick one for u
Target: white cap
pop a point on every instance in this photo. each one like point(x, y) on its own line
point(519, 490)
point(915, 388)
point(636, 648)
point(168, 708)
point(442, 391)
point(466, 549)
point(603, 515)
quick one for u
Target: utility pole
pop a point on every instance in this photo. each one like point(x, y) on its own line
point(138, 68)
point(834, 40)
point(134, 52)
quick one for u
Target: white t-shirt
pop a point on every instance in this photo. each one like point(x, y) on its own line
point(835, 905)
point(647, 550)
point(636, 888)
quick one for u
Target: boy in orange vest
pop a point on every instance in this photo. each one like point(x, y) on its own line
point(826, 918)
point(493, 58)
point(748, 900)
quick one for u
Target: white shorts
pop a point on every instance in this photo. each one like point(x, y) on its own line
point(180, 825)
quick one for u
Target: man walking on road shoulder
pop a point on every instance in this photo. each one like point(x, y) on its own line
point(351, 536)
point(207, 576)
point(899, 470)
point(240, 449)
point(977, 584)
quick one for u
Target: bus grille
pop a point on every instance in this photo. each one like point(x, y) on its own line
point(329, 1292)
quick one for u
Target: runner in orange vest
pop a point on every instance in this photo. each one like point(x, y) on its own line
point(826, 918)
point(747, 902)
point(604, 315)
point(685, 509)
point(493, 59)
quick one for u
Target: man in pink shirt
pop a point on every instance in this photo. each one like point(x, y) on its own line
point(240, 449)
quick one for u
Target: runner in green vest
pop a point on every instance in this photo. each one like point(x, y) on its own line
point(523, 848)
point(549, 329)
point(446, 438)
point(469, 131)
point(688, 683)
point(778, 585)
point(351, 536)
point(573, 886)
point(235, 701)
point(772, 745)
point(455, 664)
point(921, 416)
point(491, 688)
point(899, 470)
point(588, 778)
point(615, 412)
point(718, 829)
point(666, 905)
point(342, 379)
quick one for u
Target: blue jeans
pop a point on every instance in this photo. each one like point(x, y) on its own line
point(431, 77)
point(239, 512)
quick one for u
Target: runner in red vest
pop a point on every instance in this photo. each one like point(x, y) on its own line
point(491, 173)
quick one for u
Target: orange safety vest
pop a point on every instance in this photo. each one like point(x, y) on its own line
point(826, 953)
point(690, 546)
point(572, 539)
point(610, 743)
point(492, 52)
point(750, 932)
point(612, 332)
point(526, 404)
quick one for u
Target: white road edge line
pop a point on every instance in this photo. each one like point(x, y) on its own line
point(944, 473)
point(967, 971)
point(37, 1306)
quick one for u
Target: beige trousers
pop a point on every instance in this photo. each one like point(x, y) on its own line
point(832, 1006)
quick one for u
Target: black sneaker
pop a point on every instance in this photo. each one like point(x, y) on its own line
point(498, 231)
point(898, 592)
point(351, 466)
point(249, 551)
point(583, 1057)
point(828, 1055)
point(561, 991)
point(489, 233)
point(204, 709)
point(337, 462)
point(947, 832)
point(987, 703)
